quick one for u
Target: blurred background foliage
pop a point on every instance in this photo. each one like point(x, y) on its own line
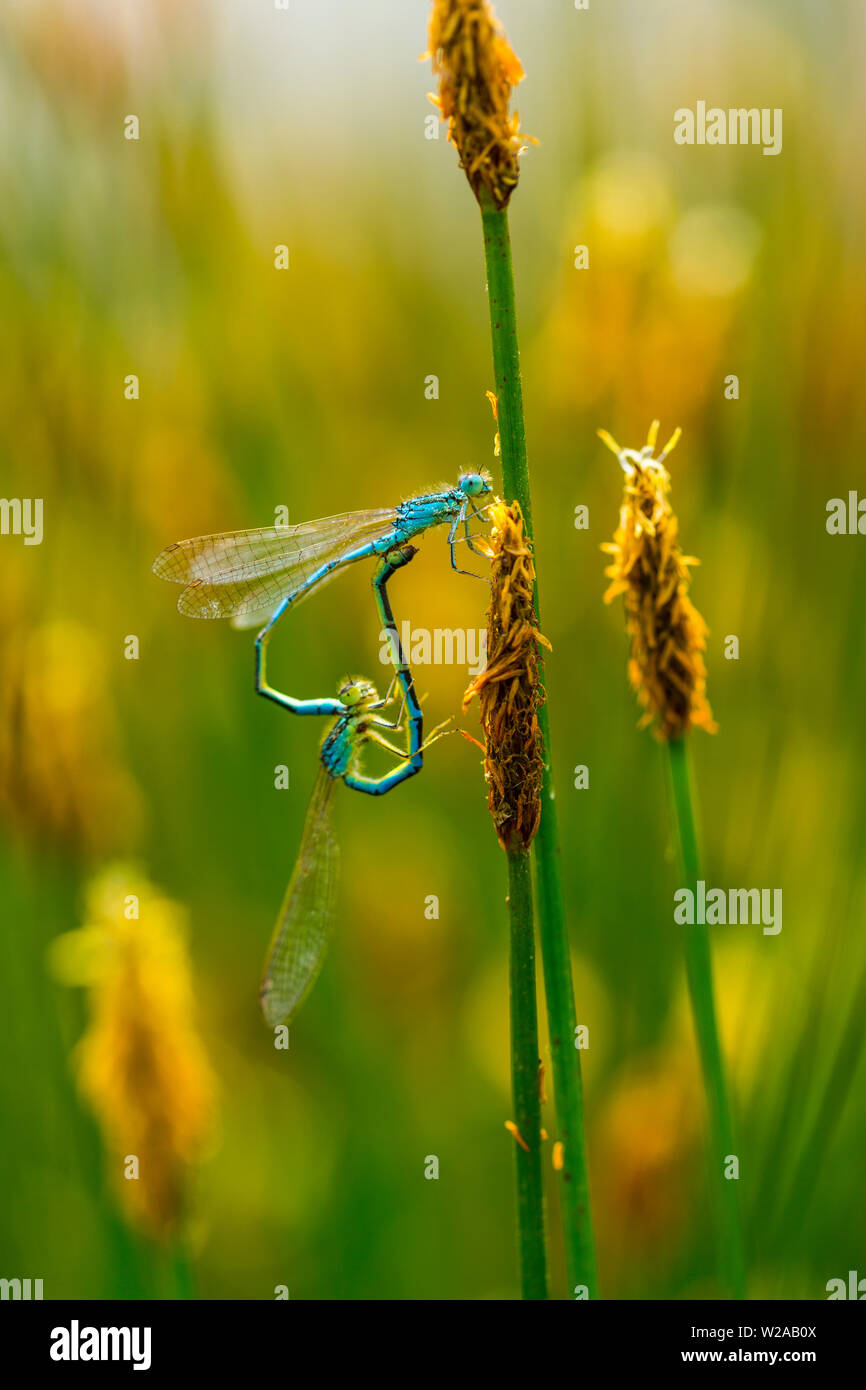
point(305, 389)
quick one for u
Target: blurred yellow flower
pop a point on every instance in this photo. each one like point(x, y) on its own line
point(713, 250)
point(644, 1154)
point(140, 1064)
point(652, 302)
point(61, 777)
point(626, 199)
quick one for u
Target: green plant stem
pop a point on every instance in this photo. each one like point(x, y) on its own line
point(524, 1079)
point(699, 972)
point(555, 954)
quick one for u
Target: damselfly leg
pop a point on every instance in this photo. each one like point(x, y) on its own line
point(463, 519)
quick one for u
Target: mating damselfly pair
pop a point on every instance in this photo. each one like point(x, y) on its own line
point(253, 577)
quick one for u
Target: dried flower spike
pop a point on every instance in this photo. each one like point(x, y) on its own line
point(668, 635)
point(477, 72)
point(509, 688)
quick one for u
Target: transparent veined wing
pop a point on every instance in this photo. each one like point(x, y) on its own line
point(303, 931)
point(246, 574)
point(252, 617)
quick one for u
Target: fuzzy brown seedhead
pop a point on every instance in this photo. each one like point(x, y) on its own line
point(509, 688)
point(668, 635)
point(477, 72)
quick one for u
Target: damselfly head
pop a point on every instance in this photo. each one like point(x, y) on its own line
point(475, 484)
point(357, 693)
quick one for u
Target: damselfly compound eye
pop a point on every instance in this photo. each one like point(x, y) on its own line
point(357, 692)
point(473, 484)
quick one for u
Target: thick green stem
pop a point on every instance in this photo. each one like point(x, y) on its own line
point(556, 958)
point(524, 1079)
point(562, 1025)
point(699, 972)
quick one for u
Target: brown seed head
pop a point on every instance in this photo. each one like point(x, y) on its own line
point(477, 72)
point(668, 635)
point(509, 688)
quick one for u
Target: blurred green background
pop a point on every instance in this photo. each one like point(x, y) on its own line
point(306, 388)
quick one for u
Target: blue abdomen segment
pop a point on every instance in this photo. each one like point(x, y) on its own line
point(378, 786)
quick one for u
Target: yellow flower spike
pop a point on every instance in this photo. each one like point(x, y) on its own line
point(668, 635)
point(72, 789)
point(478, 72)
